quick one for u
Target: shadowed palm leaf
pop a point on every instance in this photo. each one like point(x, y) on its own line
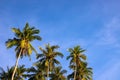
point(19, 75)
point(58, 74)
point(36, 72)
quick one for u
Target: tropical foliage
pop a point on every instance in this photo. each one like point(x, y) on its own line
point(78, 65)
point(48, 58)
point(22, 44)
point(47, 65)
point(19, 75)
point(36, 72)
point(58, 74)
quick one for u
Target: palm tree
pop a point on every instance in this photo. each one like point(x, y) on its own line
point(48, 58)
point(22, 44)
point(5, 75)
point(76, 57)
point(58, 74)
point(19, 75)
point(36, 72)
point(85, 72)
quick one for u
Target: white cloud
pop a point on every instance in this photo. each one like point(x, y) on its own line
point(108, 35)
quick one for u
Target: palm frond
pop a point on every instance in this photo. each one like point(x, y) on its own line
point(39, 56)
point(43, 51)
point(83, 56)
point(56, 61)
point(17, 32)
point(35, 37)
point(54, 47)
point(68, 57)
point(12, 42)
point(33, 48)
point(58, 54)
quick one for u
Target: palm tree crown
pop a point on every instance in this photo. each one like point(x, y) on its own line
point(76, 57)
point(48, 57)
point(6, 75)
point(22, 40)
point(22, 44)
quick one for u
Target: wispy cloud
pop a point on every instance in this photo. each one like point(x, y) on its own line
point(108, 35)
point(107, 61)
point(110, 72)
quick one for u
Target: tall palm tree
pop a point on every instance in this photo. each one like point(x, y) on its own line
point(58, 74)
point(22, 44)
point(19, 75)
point(83, 72)
point(48, 58)
point(36, 73)
point(76, 57)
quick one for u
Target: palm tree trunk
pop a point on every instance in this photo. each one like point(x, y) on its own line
point(48, 72)
point(16, 64)
point(75, 72)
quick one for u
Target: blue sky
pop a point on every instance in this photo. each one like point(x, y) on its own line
point(92, 24)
